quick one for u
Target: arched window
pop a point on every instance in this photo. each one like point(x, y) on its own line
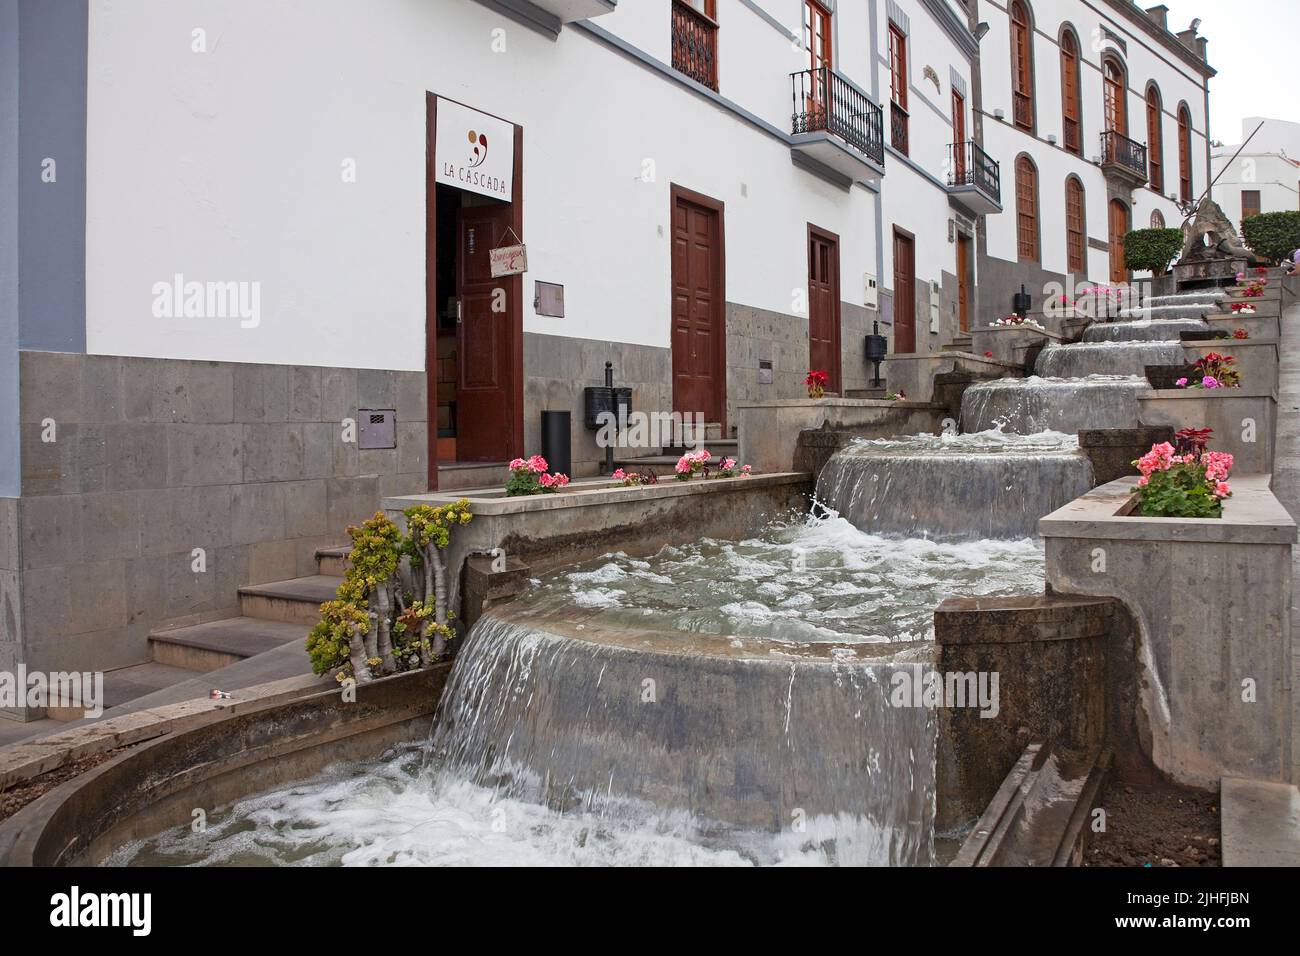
point(1071, 107)
point(1026, 209)
point(1022, 66)
point(1157, 219)
point(1118, 230)
point(1155, 140)
point(1075, 226)
point(1184, 153)
point(1116, 93)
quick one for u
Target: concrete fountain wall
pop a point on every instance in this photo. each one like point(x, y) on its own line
point(1211, 599)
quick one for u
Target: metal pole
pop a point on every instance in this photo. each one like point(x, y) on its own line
point(609, 448)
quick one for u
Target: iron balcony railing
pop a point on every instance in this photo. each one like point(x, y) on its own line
point(898, 128)
point(824, 100)
point(695, 45)
point(1128, 154)
point(969, 165)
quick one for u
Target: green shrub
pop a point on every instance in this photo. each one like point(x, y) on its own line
point(1272, 235)
point(1152, 249)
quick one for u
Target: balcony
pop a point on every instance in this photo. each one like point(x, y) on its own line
point(1123, 159)
point(836, 126)
point(898, 128)
point(974, 178)
point(566, 11)
point(695, 45)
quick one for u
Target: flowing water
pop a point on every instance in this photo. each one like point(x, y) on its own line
point(724, 703)
point(772, 738)
point(986, 484)
point(1036, 404)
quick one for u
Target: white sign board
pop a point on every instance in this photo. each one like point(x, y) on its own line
point(508, 260)
point(474, 151)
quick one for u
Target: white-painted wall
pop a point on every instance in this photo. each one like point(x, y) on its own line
point(1276, 177)
point(226, 165)
point(1146, 60)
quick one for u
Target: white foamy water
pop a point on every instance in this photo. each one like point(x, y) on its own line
point(814, 580)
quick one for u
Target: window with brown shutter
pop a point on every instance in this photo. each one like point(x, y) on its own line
point(1026, 210)
point(1155, 140)
point(1249, 203)
point(1075, 230)
point(897, 89)
point(1022, 75)
point(1070, 107)
point(1184, 153)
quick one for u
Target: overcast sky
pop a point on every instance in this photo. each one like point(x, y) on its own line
point(1255, 46)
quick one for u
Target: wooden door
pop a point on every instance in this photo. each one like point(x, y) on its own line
point(904, 293)
point(824, 305)
point(1116, 112)
point(484, 391)
point(1118, 229)
point(697, 307)
point(963, 283)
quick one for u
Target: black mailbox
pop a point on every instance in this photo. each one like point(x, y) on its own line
point(877, 349)
point(601, 400)
point(1021, 302)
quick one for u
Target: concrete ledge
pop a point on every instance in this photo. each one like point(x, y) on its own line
point(212, 762)
point(1260, 823)
point(920, 374)
point(1011, 343)
point(1212, 601)
point(769, 431)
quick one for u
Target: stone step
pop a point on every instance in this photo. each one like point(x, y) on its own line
point(661, 465)
point(726, 446)
point(1259, 822)
point(296, 601)
point(217, 644)
point(121, 686)
point(333, 561)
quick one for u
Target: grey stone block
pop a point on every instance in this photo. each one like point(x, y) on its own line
point(257, 512)
point(11, 610)
point(376, 388)
point(346, 457)
point(49, 468)
point(338, 394)
point(110, 527)
point(9, 534)
point(204, 454)
point(305, 506)
point(304, 394)
point(186, 592)
point(319, 439)
point(151, 393)
point(51, 530)
point(101, 389)
point(350, 500)
point(412, 447)
point(178, 520)
point(412, 397)
point(137, 455)
point(272, 561)
point(273, 452)
point(209, 390)
point(50, 386)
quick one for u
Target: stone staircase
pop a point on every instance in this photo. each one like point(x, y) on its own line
point(663, 461)
point(274, 614)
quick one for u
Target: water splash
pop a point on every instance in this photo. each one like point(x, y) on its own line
point(1083, 359)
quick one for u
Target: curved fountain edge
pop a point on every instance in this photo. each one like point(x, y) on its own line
point(228, 751)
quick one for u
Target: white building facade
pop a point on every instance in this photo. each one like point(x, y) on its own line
point(1263, 175)
point(230, 230)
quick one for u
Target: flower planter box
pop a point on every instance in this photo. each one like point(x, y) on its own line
point(1243, 420)
point(1212, 599)
point(1009, 343)
point(768, 432)
point(1255, 359)
point(588, 519)
point(1257, 326)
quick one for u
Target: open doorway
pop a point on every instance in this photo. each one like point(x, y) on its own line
point(473, 322)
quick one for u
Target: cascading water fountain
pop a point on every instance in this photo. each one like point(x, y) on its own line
point(721, 702)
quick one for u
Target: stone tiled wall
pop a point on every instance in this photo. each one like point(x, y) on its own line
point(153, 458)
point(557, 369)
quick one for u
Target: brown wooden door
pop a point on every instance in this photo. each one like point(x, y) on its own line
point(904, 294)
point(1118, 229)
point(484, 390)
point(824, 305)
point(697, 279)
point(963, 283)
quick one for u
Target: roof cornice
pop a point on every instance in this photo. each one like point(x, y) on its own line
point(1137, 15)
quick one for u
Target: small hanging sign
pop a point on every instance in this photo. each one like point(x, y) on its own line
point(509, 260)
